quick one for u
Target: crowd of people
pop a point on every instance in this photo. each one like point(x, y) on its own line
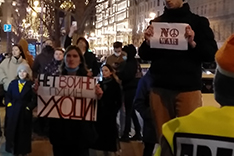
point(168, 97)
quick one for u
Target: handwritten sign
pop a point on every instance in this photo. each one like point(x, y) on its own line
point(68, 97)
point(169, 36)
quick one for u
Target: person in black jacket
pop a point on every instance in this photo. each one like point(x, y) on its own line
point(83, 44)
point(176, 73)
point(141, 104)
point(20, 101)
point(129, 83)
point(42, 60)
point(108, 107)
point(72, 137)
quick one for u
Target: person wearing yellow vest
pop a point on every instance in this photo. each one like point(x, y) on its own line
point(20, 102)
point(208, 131)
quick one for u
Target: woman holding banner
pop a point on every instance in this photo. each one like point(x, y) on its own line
point(108, 107)
point(72, 137)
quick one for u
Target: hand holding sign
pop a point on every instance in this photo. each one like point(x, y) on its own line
point(189, 34)
point(99, 91)
point(149, 33)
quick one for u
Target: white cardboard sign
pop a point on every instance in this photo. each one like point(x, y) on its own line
point(169, 36)
point(68, 97)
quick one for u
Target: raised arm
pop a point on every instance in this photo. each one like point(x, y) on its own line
point(68, 39)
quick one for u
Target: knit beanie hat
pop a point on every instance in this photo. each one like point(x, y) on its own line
point(224, 77)
point(24, 67)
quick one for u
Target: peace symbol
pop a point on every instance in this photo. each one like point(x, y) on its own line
point(174, 33)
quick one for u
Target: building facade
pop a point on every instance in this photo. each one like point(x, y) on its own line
point(111, 24)
point(124, 21)
point(220, 14)
point(140, 13)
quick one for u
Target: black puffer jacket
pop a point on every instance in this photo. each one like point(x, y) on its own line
point(181, 70)
point(129, 69)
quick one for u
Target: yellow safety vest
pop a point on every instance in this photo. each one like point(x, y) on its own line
point(208, 131)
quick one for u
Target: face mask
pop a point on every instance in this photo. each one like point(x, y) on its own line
point(117, 54)
point(125, 58)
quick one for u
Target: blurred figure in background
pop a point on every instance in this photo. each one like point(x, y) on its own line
point(142, 105)
point(43, 59)
point(8, 68)
point(117, 57)
point(53, 68)
point(29, 58)
point(130, 77)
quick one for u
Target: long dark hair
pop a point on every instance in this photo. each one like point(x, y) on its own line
point(21, 52)
point(113, 72)
point(82, 65)
point(86, 42)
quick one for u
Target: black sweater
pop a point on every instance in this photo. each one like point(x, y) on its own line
point(181, 70)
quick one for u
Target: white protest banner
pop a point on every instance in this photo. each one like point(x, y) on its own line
point(169, 36)
point(68, 97)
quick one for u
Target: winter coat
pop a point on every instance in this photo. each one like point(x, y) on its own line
point(108, 107)
point(42, 60)
point(177, 69)
point(141, 104)
point(128, 74)
point(19, 118)
point(72, 133)
point(89, 57)
point(53, 68)
point(2, 57)
point(8, 70)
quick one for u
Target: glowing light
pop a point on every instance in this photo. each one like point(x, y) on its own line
point(152, 15)
point(13, 3)
point(92, 34)
point(34, 14)
point(36, 3)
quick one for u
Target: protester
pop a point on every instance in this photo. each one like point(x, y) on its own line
point(72, 137)
point(9, 66)
point(83, 44)
point(28, 57)
point(129, 82)
point(141, 104)
point(177, 73)
point(53, 68)
point(117, 57)
point(47, 42)
point(43, 59)
point(20, 101)
point(108, 107)
point(211, 131)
